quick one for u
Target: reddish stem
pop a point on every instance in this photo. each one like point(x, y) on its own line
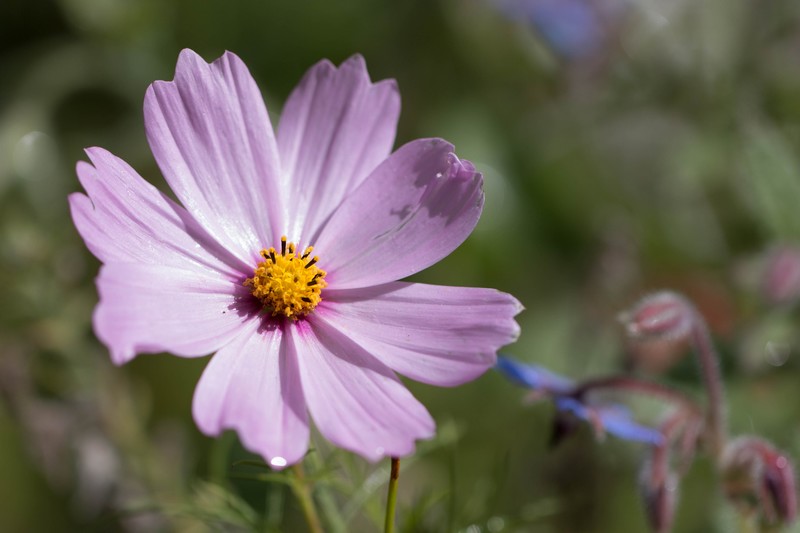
point(640, 386)
point(709, 368)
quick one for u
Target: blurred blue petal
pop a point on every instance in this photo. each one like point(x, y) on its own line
point(615, 419)
point(533, 376)
point(572, 405)
point(618, 421)
point(571, 28)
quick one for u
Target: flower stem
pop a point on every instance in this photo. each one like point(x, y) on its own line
point(302, 490)
point(709, 368)
point(640, 386)
point(327, 506)
point(391, 498)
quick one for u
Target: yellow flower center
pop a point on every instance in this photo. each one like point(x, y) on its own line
point(286, 284)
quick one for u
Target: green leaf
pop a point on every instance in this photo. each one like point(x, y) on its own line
point(773, 182)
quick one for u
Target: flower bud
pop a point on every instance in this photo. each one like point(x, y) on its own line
point(781, 277)
point(660, 316)
point(659, 490)
point(755, 471)
point(778, 483)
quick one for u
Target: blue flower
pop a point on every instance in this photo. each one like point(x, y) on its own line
point(615, 419)
point(572, 28)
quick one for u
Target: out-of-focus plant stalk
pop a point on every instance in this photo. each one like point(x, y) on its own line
point(302, 490)
point(640, 386)
point(327, 504)
point(391, 497)
point(709, 368)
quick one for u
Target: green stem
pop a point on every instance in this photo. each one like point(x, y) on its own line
point(391, 498)
point(327, 505)
point(302, 491)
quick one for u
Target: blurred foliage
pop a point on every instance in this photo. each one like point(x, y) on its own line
point(638, 145)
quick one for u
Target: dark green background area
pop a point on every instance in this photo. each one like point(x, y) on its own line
point(666, 157)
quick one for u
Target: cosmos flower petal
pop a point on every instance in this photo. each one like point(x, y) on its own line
point(335, 128)
point(154, 308)
point(356, 402)
point(534, 376)
point(201, 277)
point(211, 136)
point(444, 336)
point(125, 219)
point(413, 210)
point(252, 385)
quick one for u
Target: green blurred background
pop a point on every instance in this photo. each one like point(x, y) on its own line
point(627, 145)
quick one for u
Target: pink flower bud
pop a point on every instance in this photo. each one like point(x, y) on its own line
point(659, 490)
point(755, 471)
point(663, 315)
point(781, 277)
point(778, 484)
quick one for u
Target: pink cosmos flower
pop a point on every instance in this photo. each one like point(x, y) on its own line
point(232, 271)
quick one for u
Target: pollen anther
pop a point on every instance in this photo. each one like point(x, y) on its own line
point(286, 284)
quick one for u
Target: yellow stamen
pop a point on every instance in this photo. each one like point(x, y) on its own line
point(288, 285)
